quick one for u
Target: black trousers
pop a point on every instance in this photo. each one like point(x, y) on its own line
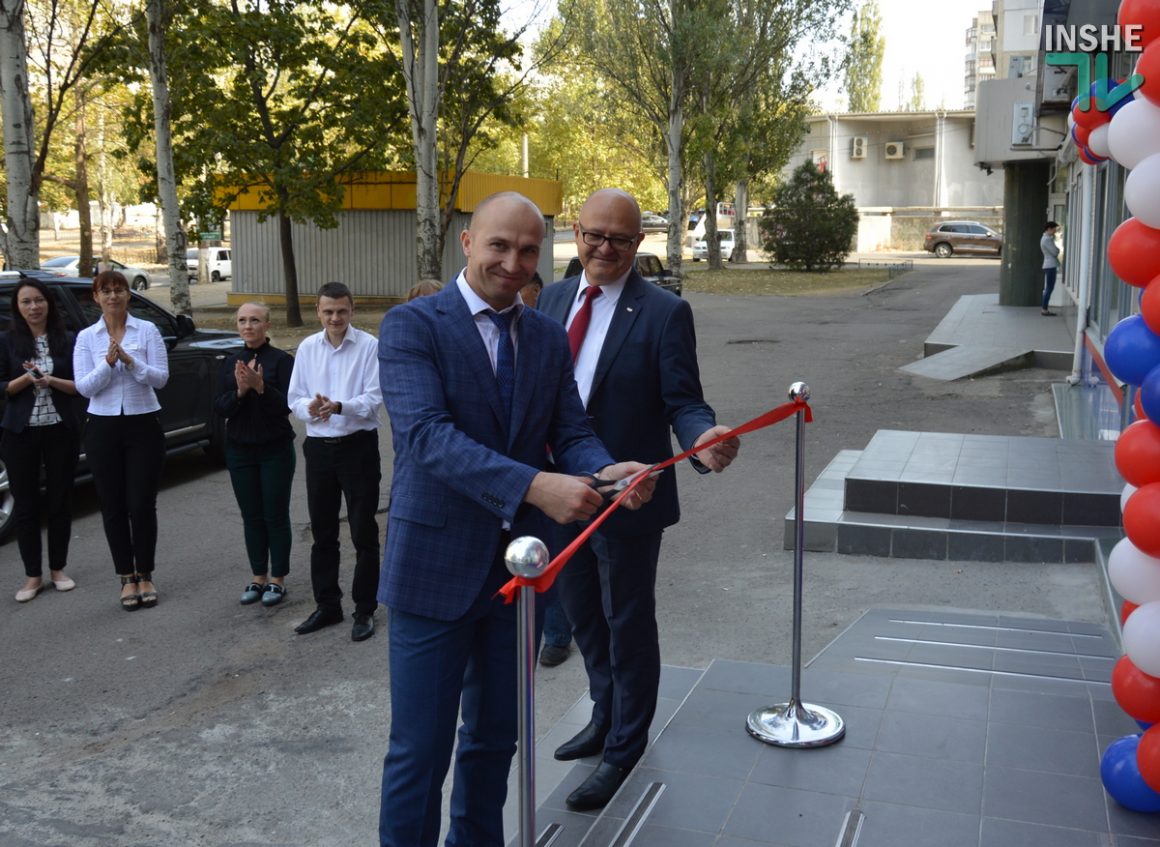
point(55, 448)
point(126, 454)
point(261, 477)
point(336, 469)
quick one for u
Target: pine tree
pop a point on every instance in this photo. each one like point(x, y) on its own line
point(809, 227)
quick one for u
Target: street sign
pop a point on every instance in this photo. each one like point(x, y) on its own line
point(210, 236)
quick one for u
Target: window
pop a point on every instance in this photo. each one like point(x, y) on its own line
point(1031, 24)
point(923, 153)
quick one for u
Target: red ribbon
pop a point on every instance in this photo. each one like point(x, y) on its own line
point(544, 581)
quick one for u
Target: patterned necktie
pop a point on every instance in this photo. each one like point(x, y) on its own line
point(579, 327)
point(505, 359)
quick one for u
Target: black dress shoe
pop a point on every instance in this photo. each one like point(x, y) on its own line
point(320, 617)
point(597, 790)
point(364, 627)
point(551, 655)
point(587, 742)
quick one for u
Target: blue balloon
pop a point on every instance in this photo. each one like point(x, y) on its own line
point(1150, 394)
point(1132, 350)
point(1144, 725)
point(1121, 776)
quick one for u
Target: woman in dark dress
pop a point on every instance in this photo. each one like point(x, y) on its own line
point(260, 451)
point(40, 428)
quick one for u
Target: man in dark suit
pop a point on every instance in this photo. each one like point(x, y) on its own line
point(476, 386)
point(636, 368)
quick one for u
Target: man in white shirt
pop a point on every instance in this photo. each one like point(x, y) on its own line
point(1050, 252)
point(335, 390)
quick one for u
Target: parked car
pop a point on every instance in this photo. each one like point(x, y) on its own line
point(724, 238)
point(195, 358)
point(970, 238)
point(68, 266)
point(648, 265)
point(652, 222)
point(218, 260)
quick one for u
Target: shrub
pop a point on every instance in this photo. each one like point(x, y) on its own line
point(809, 227)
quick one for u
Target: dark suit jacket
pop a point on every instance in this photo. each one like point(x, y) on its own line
point(458, 472)
point(646, 382)
point(18, 408)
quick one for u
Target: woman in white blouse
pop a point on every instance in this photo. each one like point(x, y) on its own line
point(117, 364)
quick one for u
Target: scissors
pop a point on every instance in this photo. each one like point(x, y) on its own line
point(611, 490)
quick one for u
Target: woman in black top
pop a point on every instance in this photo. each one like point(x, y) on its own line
point(260, 451)
point(40, 427)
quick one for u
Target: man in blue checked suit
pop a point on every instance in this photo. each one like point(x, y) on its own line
point(476, 386)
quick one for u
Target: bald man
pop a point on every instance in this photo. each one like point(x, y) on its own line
point(636, 368)
point(475, 385)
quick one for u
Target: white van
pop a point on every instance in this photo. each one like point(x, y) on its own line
point(218, 262)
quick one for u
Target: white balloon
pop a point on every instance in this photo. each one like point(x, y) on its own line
point(1142, 191)
point(1134, 133)
point(1142, 638)
point(1128, 491)
point(1098, 141)
point(1133, 573)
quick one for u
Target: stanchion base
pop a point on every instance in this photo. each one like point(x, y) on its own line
point(796, 724)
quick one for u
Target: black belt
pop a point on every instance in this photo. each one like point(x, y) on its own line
point(362, 433)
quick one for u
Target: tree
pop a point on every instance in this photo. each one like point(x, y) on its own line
point(917, 94)
point(864, 59)
point(809, 226)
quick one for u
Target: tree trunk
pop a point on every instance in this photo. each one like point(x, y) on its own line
point(80, 186)
point(21, 231)
point(286, 241)
point(175, 242)
point(711, 239)
point(421, 74)
point(676, 178)
point(740, 227)
point(104, 213)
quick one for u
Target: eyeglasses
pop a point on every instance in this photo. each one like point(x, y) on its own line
point(618, 242)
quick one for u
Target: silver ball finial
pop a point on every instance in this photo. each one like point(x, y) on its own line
point(526, 556)
point(799, 391)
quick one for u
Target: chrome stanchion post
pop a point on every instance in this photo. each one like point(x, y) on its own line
point(797, 724)
point(527, 557)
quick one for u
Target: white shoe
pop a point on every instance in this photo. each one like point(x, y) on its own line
point(64, 584)
point(26, 594)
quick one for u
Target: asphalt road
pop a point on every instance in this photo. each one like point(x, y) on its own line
point(203, 722)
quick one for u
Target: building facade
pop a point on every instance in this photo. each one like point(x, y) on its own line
point(980, 60)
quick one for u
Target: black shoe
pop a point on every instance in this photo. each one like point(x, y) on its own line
point(364, 627)
point(597, 790)
point(587, 742)
point(320, 617)
point(551, 655)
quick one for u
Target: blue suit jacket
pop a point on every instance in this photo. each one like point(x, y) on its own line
point(458, 473)
point(646, 382)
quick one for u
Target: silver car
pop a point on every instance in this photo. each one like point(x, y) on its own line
point(68, 266)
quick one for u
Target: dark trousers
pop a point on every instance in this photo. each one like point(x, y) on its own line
point(435, 664)
point(609, 592)
point(1048, 285)
point(55, 448)
point(338, 468)
point(261, 476)
point(126, 454)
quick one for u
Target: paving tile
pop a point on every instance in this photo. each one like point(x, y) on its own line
point(689, 801)
point(1042, 710)
point(795, 818)
point(871, 496)
point(733, 841)
point(1091, 509)
point(682, 749)
point(659, 836)
point(864, 540)
point(1003, 833)
point(922, 499)
point(929, 783)
point(1033, 550)
point(976, 503)
point(1047, 798)
point(718, 712)
point(1038, 749)
point(837, 769)
point(933, 736)
point(1111, 719)
point(1035, 506)
point(919, 544)
point(975, 547)
point(1123, 822)
point(891, 825)
point(745, 677)
point(1046, 664)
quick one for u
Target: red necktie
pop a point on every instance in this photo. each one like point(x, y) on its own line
point(579, 327)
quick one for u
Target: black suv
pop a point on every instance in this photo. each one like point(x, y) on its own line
point(648, 265)
point(195, 358)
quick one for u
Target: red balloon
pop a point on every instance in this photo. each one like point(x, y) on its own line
point(1136, 692)
point(1142, 517)
point(1090, 119)
point(1126, 610)
point(1134, 252)
point(1138, 454)
point(1081, 136)
point(1150, 305)
point(1148, 757)
point(1143, 12)
point(1148, 66)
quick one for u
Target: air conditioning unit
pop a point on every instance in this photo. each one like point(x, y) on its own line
point(1023, 125)
point(858, 145)
point(894, 149)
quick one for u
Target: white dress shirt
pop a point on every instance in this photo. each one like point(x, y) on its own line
point(117, 389)
point(347, 374)
point(603, 308)
point(488, 331)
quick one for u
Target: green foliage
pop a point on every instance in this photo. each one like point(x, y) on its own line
point(864, 59)
point(809, 227)
point(917, 94)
